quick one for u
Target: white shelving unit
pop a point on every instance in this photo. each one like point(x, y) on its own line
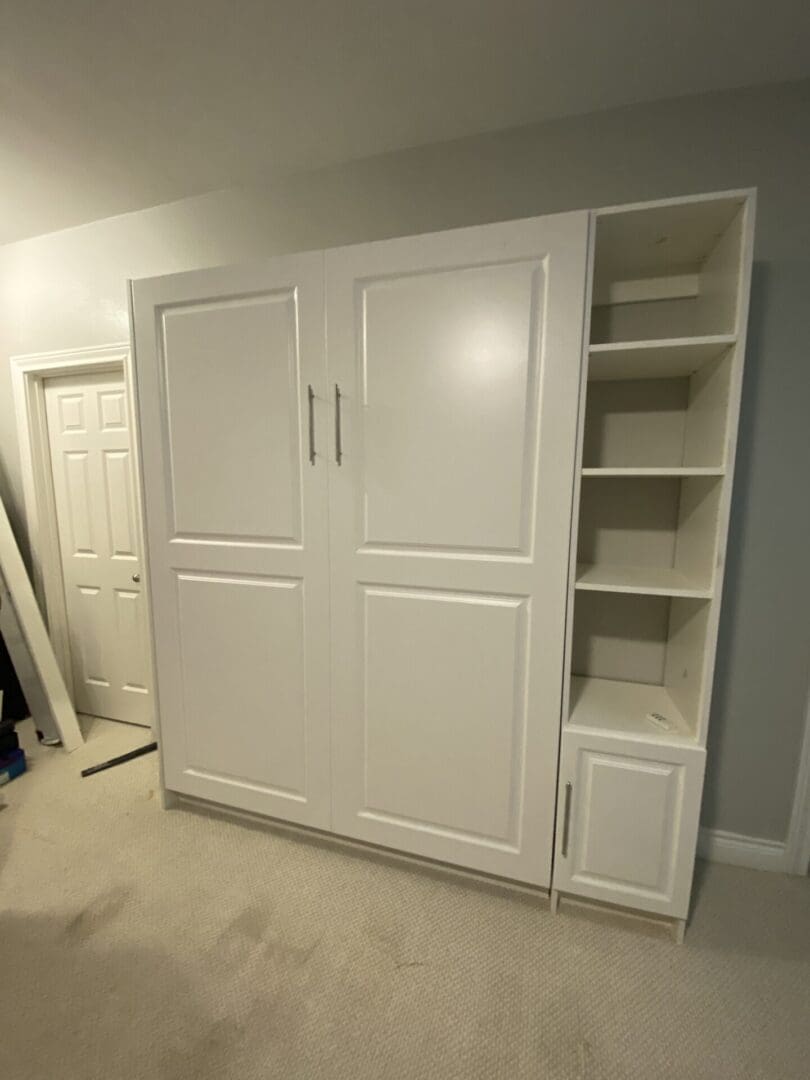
point(658, 426)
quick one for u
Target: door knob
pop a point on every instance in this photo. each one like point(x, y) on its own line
point(136, 578)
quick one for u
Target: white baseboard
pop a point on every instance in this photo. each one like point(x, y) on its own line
point(717, 845)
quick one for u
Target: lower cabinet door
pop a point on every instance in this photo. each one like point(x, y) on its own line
point(627, 821)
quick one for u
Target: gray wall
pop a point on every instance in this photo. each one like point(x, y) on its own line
point(67, 290)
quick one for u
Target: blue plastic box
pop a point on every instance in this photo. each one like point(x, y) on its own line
point(12, 765)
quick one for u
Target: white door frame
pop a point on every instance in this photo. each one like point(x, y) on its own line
point(29, 374)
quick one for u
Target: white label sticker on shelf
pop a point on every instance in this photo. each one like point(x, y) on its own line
point(659, 721)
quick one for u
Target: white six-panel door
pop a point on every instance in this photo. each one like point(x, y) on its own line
point(236, 516)
point(99, 541)
point(454, 364)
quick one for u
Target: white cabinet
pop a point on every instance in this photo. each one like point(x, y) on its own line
point(659, 410)
point(417, 516)
point(457, 357)
point(628, 822)
point(438, 444)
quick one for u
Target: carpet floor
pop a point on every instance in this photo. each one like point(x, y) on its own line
point(138, 943)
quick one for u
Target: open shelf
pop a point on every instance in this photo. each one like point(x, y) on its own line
point(664, 359)
point(662, 380)
point(671, 471)
point(639, 580)
point(655, 423)
point(665, 271)
point(613, 705)
point(637, 653)
point(655, 240)
point(652, 533)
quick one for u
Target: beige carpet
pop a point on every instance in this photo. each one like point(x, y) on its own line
point(136, 943)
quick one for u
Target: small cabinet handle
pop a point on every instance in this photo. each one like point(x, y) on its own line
point(311, 401)
point(136, 578)
point(338, 434)
point(566, 820)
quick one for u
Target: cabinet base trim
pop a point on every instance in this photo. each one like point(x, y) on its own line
point(755, 853)
point(619, 914)
point(172, 800)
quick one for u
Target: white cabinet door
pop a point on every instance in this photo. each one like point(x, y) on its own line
point(628, 822)
point(236, 517)
point(99, 542)
point(457, 357)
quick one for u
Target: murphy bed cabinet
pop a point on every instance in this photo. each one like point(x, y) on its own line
point(436, 530)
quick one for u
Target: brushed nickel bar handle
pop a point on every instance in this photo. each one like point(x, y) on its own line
point(338, 435)
point(311, 399)
point(566, 820)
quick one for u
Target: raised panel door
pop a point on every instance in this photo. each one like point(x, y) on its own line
point(99, 541)
point(455, 364)
point(628, 822)
point(235, 477)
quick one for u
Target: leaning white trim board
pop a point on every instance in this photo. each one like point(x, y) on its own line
point(35, 636)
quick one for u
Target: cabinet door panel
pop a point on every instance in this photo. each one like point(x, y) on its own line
point(237, 526)
point(632, 815)
point(441, 747)
point(458, 359)
point(240, 432)
point(450, 407)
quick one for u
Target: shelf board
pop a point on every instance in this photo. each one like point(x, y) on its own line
point(679, 470)
point(621, 708)
point(665, 359)
point(639, 580)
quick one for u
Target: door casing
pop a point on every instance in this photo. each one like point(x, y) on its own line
point(29, 373)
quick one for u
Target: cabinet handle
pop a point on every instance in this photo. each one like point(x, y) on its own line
point(338, 437)
point(566, 820)
point(311, 400)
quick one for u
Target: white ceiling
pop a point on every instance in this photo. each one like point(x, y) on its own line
point(109, 106)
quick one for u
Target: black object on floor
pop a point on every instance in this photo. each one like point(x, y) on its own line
point(9, 742)
point(120, 759)
point(14, 705)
